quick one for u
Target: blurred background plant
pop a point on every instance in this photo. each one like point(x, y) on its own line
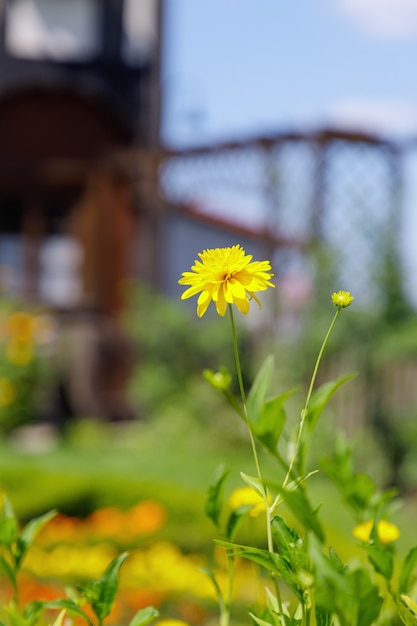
point(26, 336)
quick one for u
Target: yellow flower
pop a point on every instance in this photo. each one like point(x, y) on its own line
point(342, 299)
point(7, 392)
point(21, 325)
point(387, 532)
point(226, 276)
point(243, 496)
point(20, 351)
point(171, 622)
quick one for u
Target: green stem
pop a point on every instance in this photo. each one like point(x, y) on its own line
point(268, 509)
point(308, 398)
point(225, 614)
point(319, 357)
point(251, 436)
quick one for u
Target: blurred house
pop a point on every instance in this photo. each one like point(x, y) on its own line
point(78, 86)
point(88, 197)
point(78, 91)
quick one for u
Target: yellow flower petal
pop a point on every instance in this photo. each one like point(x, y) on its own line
point(387, 532)
point(342, 299)
point(226, 276)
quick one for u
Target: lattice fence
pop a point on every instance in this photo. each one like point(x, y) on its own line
point(339, 190)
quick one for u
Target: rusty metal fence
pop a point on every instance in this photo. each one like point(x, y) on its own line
point(332, 203)
point(339, 190)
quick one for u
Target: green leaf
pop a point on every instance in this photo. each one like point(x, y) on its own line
point(102, 592)
point(259, 390)
point(321, 397)
point(144, 616)
point(33, 611)
point(235, 518)
point(29, 533)
point(216, 586)
point(407, 610)
point(381, 558)
point(407, 570)
point(323, 618)
point(253, 482)
point(366, 595)
point(274, 563)
point(9, 526)
point(261, 622)
point(9, 571)
point(351, 595)
point(291, 547)
point(269, 560)
point(214, 501)
point(14, 616)
point(271, 421)
point(299, 504)
point(69, 606)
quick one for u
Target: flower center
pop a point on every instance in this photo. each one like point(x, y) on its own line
point(227, 276)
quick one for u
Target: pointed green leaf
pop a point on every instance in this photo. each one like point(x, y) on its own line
point(144, 616)
point(274, 563)
point(381, 558)
point(102, 592)
point(9, 526)
point(269, 560)
point(286, 538)
point(271, 601)
point(407, 610)
point(9, 571)
point(33, 611)
point(409, 565)
point(321, 397)
point(69, 606)
point(29, 533)
point(271, 421)
point(259, 390)
point(253, 482)
point(235, 518)
point(261, 622)
point(215, 584)
point(298, 503)
point(9, 530)
point(367, 598)
point(214, 500)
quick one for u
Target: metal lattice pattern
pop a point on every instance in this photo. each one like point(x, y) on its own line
point(358, 212)
point(328, 188)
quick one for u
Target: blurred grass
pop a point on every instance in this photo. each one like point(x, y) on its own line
point(119, 465)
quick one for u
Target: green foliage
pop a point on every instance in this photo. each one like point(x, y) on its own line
point(24, 367)
point(297, 556)
point(100, 594)
point(172, 353)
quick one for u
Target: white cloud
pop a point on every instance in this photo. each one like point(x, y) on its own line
point(393, 117)
point(383, 18)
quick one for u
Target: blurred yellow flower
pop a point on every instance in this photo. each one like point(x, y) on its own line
point(226, 276)
point(171, 622)
point(342, 299)
point(21, 325)
point(7, 392)
point(247, 496)
point(20, 351)
point(387, 532)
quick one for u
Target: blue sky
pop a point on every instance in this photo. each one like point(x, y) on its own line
point(240, 67)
